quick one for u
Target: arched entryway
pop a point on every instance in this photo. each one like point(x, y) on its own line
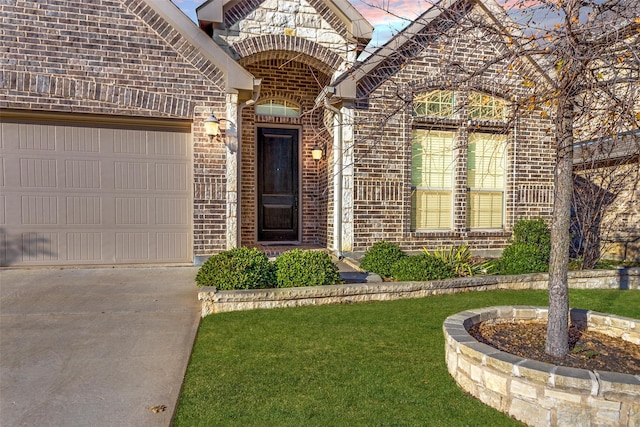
point(285, 194)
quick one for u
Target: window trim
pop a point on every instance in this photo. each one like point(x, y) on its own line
point(461, 125)
point(284, 104)
point(450, 189)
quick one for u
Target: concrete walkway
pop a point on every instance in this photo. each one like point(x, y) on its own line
point(94, 347)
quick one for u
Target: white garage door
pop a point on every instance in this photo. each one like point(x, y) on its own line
point(74, 193)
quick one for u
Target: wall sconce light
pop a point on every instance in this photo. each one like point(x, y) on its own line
point(212, 129)
point(212, 126)
point(317, 152)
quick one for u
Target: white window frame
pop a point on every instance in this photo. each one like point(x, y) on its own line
point(495, 189)
point(420, 187)
point(272, 107)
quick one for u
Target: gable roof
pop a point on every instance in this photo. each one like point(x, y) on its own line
point(345, 86)
point(213, 11)
point(236, 77)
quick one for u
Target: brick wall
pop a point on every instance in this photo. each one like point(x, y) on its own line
point(382, 151)
point(294, 81)
point(117, 58)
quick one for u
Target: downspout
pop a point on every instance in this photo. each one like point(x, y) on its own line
point(337, 181)
point(254, 98)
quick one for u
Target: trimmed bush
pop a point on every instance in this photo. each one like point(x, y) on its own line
point(532, 232)
point(530, 250)
point(381, 257)
point(420, 268)
point(238, 268)
point(305, 268)
point(519, 258)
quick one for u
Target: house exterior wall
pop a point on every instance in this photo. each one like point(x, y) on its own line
point(298, 20)
point(118, 58)
point(290, 80)
point(294, 47)
point(382, 151)
point(607, 203)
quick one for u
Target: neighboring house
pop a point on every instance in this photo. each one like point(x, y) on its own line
point(606, 202)
point(105, 159)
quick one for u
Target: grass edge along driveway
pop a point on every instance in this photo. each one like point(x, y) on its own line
point(370, 364)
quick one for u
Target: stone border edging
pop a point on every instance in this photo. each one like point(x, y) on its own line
point(537, 393)
point(215, 301)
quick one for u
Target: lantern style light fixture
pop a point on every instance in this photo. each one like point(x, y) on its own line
point(212, 126)
point(317, 152)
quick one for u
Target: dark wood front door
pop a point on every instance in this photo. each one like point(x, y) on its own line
point(278, 185)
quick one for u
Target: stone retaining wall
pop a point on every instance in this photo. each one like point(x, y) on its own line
point(214, 301)
point(536, 393)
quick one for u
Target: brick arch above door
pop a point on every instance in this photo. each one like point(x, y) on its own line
point(278, 46)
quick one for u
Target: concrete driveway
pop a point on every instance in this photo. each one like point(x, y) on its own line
point(94, 347)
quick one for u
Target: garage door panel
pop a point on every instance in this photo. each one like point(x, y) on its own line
point(171, 245)
point(172, 211)
point(83, 210)
point(39, 246)
point(82, 174)
point(36, 137)
point(126, 141)
point(132, 247)
point(38, 210)
point(83, 247)
point(38, 173)
point(2, 179)
point(168, 144)
point(73, 194)
point(132, 210)
point(3, 212)
point(79, 139)
point(171, 177)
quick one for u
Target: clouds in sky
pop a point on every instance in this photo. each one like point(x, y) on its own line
point(387, 16)
point(377, 12)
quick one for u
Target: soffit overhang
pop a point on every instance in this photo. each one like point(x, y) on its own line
point(237, 79)
point(346, 85)
point(212, 12)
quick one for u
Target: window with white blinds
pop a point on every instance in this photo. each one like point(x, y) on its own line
point(486, 180)
point(431, 179)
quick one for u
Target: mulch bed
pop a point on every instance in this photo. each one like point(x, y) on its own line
point(587, 349)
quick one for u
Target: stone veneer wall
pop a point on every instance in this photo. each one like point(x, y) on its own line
point(214, 301)
point(296, 20)
point(541, 394)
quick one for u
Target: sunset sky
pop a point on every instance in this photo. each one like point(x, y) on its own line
point(385, 23)
point(390, 16)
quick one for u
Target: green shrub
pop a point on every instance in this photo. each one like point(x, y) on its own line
point(238, 268)
point(532, 232)
point(530, 250)
point(519, 258)
point(420, 268)
point(305, 268)
point(381, 257)
point(459, 258)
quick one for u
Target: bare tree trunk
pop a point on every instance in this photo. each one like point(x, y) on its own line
point(557, 344)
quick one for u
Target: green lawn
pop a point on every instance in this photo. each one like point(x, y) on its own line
point(372, 364)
